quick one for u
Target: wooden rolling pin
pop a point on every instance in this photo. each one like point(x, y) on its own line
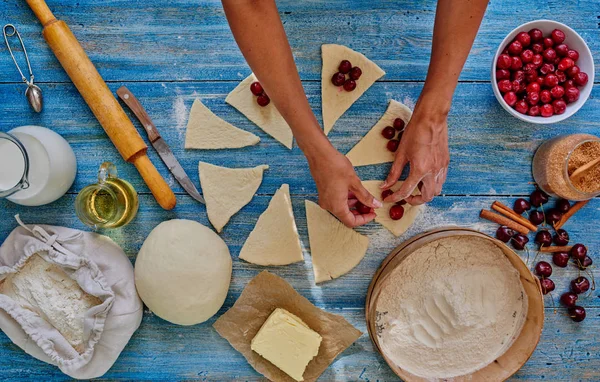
point(101, 101)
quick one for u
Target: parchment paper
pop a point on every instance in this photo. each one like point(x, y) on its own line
point(259, 299)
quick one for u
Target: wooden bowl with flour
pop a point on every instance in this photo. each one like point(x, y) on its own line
point(454, 303)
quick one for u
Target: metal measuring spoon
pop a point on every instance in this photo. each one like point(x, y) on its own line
point(33, 92)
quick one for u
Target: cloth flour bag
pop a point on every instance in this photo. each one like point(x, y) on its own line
point(67, 298)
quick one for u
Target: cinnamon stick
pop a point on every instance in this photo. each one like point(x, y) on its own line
point(553, 249)
point(499, 219)
point(510, 213)
point(574, 208)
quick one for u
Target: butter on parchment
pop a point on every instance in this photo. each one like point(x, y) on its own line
point(287, 342)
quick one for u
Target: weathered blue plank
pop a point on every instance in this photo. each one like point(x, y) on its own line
point(490, 150)
point(160, 350)
point(190, 40)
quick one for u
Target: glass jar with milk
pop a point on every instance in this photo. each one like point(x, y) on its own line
point(37, 166)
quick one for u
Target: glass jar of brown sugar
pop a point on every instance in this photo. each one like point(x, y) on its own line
point(558, 158)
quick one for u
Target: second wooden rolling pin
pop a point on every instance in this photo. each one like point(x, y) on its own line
point(101, 101)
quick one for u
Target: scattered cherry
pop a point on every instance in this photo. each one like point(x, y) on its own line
point(560, 259)
point(338, 79)
point(578, 252)
point(349, 85)
point(577, 313)
point(519, 241)
point(504, 234)
point(538, 197)
point(563, 205)
point(553, 216)
point(345, 67)
point(362, 209)
point(399, 124)
point(355, 73)
point(561, 237)
point(587, 262)
point(580, 285)
point(521, 205)
point(536, 217)
point(543, 238)
point(386, 193)
point(263, 100)
point(547, 285)
point(543, 269)
point(396, 212)
point(388, 132)
point(568, 299)
point(256, 88)
point(392, 145)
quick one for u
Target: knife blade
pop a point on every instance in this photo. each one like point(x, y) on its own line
point(161, 147)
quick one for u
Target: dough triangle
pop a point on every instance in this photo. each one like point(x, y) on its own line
point(227, 190)
point(207, 131)
point(267, 118)
point(372, 148)
point(274, 239)
point(397, 227)
point(335, 248)
point(335, 99)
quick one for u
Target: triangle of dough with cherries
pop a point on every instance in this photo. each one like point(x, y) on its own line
point(372, 149)
point(267, 118)
point(274, 239)
point(335, 99)
point(335, 249)
point(227, 190)
point(207, 131)
point(397, 227)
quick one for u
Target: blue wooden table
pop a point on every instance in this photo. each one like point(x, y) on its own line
point(171, 52)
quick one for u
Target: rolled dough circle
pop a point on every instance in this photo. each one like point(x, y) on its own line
point(183, 271)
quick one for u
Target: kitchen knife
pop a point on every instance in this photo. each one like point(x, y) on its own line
point(164, 151)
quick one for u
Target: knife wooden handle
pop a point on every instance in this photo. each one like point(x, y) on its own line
point(136, 107)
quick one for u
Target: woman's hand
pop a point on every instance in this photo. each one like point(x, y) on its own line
point(339, 187)
point(425, 146)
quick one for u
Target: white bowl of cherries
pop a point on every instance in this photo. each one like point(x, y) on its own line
point(543, 72)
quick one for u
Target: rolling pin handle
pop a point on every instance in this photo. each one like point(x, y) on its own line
point(41, 11)
point(159, 188)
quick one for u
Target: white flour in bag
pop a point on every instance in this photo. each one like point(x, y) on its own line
point(450, 308)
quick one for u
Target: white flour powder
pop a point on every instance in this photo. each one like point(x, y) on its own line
point(450, 308)
point(47, 290)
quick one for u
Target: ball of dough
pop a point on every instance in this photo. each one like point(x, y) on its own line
point(183, 271)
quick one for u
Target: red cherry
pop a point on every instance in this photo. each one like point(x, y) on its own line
point(543, 238)
point(553, 215)
point(581, 78)
point(587, 262)
point(545, 96)
point(345, 67)
point(548, 43)
point(256, 88)
point(568, 299)
point(518, 86)
point(504, 234)
point(547, 68)
point(505, 86)
point(263, 100)
point(562, 77)
point(531, 75)
point(536, 217)
point(573, 54)
point(559, 106)
point(534, 111)
point(536, 35)
point(533, 87)
point(515, 48)
point(386, 193)
point(516, 63)
point(557, 60)
point(502, 74)
point(504, 61)
point(388, 132)
point(527, 56)
point(580, 285)
point(396, 212)
point(522, 106)
point(547, 286)
point(510, 98)
point(338, 79)
point(543, 269)
point(573, 71)
point(577, 313)
point(558, 36)
point(362, 209)
point(565, 64)
point(399, 124)
point(540, 80)
point(524, 38)
point(518, 75)
point(533, 98)
point(349, 85)
point(393, 145)
point(563, 205)
point(557, 92)
point(560, 259)
point(550, 80)
point(549, 55)
point(537, 60)
point(571, 94)
point(547, 110)
point(537, 48)
point(569, 84)
point(561, 49)
point(578, 252)
point(519, 241)
point(561, 237)
point(355, 73)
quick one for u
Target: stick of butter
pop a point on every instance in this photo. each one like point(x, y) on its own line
point(287, 342)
